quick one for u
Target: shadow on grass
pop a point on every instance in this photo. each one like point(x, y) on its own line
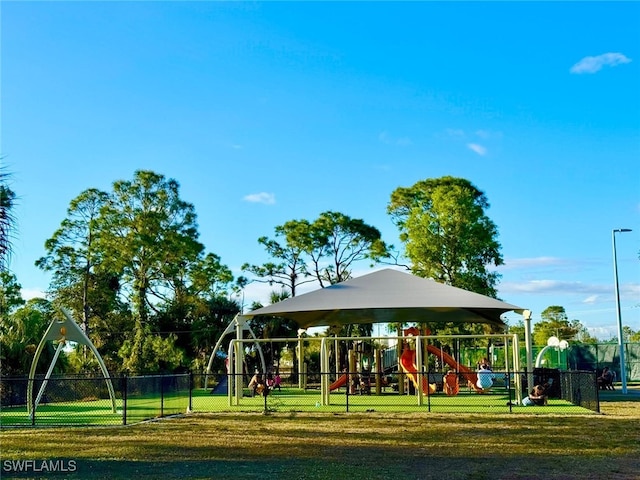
point(353, 464)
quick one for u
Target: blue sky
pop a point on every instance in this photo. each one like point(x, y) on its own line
point(268, 112)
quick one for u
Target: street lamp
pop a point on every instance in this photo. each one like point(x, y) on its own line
point(623, 368)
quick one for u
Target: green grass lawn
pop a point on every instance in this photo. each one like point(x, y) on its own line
point(97, 412)
point(295, 400)
point(332, 445)
point(141, 408)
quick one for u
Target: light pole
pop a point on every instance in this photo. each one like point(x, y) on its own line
point(623, 368)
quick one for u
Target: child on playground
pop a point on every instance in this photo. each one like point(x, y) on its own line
point(255, 384)
point(536, 397)
point(485, 378)
point(450, 383)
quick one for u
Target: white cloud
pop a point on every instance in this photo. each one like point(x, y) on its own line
point(384, 137)
point(595, 64)
point(552, 286)
point(533, 286)
point(591, 299)
point(528, 263)
point(595, 293)
point(487, 134)
point(28, 293)
point(479, 149)
point(262, 197)
point(455, 132)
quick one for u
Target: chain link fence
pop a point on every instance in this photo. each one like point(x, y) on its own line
point(86, 400)
point(82, 400)
point(567, 392)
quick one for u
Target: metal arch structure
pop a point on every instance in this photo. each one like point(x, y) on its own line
point(552, 342)
point(239, 324)
point(61, 331)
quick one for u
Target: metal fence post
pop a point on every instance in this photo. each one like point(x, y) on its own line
point(190, 391)
point(33, 405)
point(507, 381)
point(595, 382)
point(124, 400)
point(161, 396)
point(347, 391)
point(428, 388)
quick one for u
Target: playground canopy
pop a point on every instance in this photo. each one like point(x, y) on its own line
point(388, 296)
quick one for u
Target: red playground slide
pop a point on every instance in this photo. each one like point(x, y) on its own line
point(469, 374)
point(408, 364)
point(342, 380)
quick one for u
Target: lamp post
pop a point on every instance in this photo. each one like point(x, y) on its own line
point(623, 368)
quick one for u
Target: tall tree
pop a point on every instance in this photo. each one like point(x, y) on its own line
point(323, 250)
point(10, 299)
point(7, 220)
point(555, 323)
point(198, 305)
point(10, 296)
point(74, 258)
point(336, 241)
point(289, 268)
point(446, 233)
point(148, 233)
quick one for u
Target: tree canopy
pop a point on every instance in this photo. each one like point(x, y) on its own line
point(556, 323)
point(128, 262)
point(7, 220)
point(323, 250)
point(447, 234)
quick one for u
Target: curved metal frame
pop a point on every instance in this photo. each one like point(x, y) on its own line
point(61, 331)
point(239, 323)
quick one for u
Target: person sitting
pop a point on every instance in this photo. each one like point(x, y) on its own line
point(355, 383)
point(261, 388)
point(484, 361)
point(537, 396)
point(365, 384)
point(485, 378)
point(256, 380)
point(605, 380)
point(270, 381)
point(450, 384)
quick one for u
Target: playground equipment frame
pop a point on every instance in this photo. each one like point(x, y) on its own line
point(235, 353)
point(61, 331)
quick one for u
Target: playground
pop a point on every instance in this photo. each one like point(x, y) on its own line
point(411, 372)
point(333, 375)
point(134, 408)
